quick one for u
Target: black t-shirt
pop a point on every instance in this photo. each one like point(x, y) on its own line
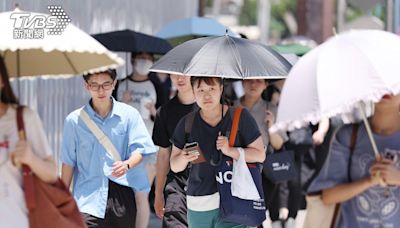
point(163, 89)
point(165, 122)
point(202, 176)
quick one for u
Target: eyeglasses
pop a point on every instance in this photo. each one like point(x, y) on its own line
point(96, 87)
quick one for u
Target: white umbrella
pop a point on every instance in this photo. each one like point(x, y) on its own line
point(70, 53)
point(338, 76)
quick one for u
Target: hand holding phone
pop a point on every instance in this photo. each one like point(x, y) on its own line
point(192, 148)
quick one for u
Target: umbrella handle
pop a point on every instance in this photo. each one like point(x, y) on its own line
point(361, 107)
point(126, 70)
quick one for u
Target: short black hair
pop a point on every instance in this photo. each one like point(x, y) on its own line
point(7, 95)
point(111, 72)
point(134, 54)
point(207, 80)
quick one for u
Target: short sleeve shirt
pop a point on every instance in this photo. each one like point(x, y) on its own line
point(202, 176)
point(377, 206)
point(166, 120)
point(12, 201)
point(141, 93)
point(93, 165)
point(258, 111)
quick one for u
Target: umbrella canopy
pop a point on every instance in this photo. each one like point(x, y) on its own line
point(332, 78)
point(224, 56)
point(131, 41)
point(72, 52)
point(185, 29)
point(349, 69)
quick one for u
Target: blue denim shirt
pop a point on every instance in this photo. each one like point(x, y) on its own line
point(93, 165)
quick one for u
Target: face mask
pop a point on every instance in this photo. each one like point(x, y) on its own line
point(142, 66)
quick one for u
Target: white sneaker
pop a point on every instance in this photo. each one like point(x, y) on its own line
point(290, 223)
point(276, 224)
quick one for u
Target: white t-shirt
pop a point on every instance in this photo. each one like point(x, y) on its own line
point(141, 93)
point(13, 211)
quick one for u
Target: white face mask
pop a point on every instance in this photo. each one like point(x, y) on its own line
point(142, 66)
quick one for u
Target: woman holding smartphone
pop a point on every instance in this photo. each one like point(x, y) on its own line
point(210, 123)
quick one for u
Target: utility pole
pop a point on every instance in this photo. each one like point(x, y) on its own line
point(340, 16)
point(397, 16)
point(201, 8)
point(263, 19)
point(327, 18)
point(389, 15)
point(301, 15)
point(320, 19)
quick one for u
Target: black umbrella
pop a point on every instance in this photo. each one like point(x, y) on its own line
point(131, 41)
point(224, 56)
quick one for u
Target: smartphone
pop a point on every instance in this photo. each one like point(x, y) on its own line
point(192, 148)
point(391, 155)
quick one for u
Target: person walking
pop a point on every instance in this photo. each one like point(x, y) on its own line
point(366, 188)
point(35, 152)
point(106, 174)
point(138, 91)
point(208, 128)
point(170, 193)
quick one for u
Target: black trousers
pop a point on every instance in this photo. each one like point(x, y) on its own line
point(120, 211)
point(175, 215)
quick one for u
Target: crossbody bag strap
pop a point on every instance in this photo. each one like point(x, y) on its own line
point(235, 126)
point(29, 189)
point(99, 134)
point(353, 142)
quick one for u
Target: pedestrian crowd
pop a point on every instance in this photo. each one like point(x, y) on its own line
point(125, 140)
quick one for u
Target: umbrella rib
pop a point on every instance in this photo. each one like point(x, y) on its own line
point(236, 56)
point(216, 65)
point(70, 63)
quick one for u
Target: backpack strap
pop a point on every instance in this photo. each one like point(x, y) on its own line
point(189, 124)
point(235, 125)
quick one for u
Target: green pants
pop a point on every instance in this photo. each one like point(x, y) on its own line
point(209, 219)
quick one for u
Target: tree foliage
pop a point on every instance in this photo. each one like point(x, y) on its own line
point(248, 15)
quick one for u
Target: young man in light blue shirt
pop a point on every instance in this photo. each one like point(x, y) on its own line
point(104, 188)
